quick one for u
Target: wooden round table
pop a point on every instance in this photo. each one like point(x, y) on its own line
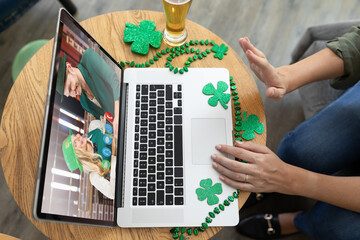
point(22, 120)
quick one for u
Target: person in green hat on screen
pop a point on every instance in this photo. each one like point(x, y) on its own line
point(92, 155)
point(94, 81)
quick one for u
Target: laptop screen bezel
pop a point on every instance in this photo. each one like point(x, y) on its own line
point(45, 141)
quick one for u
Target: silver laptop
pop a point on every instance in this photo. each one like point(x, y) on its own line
point(156, 171)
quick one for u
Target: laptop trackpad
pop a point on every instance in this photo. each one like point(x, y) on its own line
point(206, 133)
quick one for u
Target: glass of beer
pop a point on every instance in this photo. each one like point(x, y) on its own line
point(175, 10)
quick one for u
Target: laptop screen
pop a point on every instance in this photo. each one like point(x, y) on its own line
point(78, 155)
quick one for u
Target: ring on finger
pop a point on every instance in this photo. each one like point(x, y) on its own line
point(246, 178)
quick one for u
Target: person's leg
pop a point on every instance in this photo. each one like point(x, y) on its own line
point(329, 141)
point(325, 221)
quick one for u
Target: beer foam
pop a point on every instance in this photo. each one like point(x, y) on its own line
point(177, 2)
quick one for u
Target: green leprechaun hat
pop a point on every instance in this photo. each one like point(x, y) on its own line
point(69, 154)
point(61, 75)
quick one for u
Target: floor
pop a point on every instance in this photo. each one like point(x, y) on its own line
point(274, 26)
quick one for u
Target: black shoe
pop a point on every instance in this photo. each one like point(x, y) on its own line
point(261, 226)
point(253, 199)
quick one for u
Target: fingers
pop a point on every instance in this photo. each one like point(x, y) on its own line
point(236, 152)
point(246, 45)
point(275, 93)
point(253, 147)
point(232, 168)
point(246, 186)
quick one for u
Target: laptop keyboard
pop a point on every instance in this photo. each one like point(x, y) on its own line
point(158, 176)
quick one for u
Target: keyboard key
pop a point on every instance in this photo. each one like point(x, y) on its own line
point(142, 191)
point(169, 120)
point(177, 111)
point(169, 105)
point(144, 89)
point(169, 171)
point(152, 135)
point(179, 87)
point(160, 158)
point(168, 154)
point(137, 87)
point(136, 163)
point(160, 197)
point(151, 199)
point(135, 191)
point(137, 111)
point(142, 182)
point(152, 118)
point(137, 128)
point(144, 107)
point(160, 141)
point(169, 112)
point(179, 201)
point(136, 154)
point(169, 189)
point(161, 117)
point(169, 145)
point(152, 151)
point(136, 146)
point(137, 120)
point(143, 139)
point(160, 185)
point(151, 169)
point(161, 124)
point(179, 182)
point(169, 128)
point(179, 191)
point(144, 115)
point(152, 95)
point(151, 187)
point(161, 100)
point(136, 172)
point(161, 93)
point(178, 146)
point(169, 200)
point(143, 130)
point(135, 182)
point(151, 160)
point(160, 167)
point(134, 201)
point(152, 126)
point(142, 201)
point(160, 133)
point(142, 173)
point(160, 149)
point(160, 176)
point(177, 119)
point(151, 178)
point(143, 147)
point(152, 143)
point(152, 103)
point(179, 103)
point(160, 109)
point(143, 164)
point(169, 180)
point(144, 99)
point(168, 92)
point(152, 110)
point(169, 137)
point(169, 162)
point(143, 156)
point(137, 104)
point(137, 95)
point(178, 172)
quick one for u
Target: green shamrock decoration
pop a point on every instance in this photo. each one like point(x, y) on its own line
point(208, 191)
point(219, 51)
point(218, 93)
point(143, 36)
point(250, 125)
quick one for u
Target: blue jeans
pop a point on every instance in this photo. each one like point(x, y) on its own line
point(327, 143)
